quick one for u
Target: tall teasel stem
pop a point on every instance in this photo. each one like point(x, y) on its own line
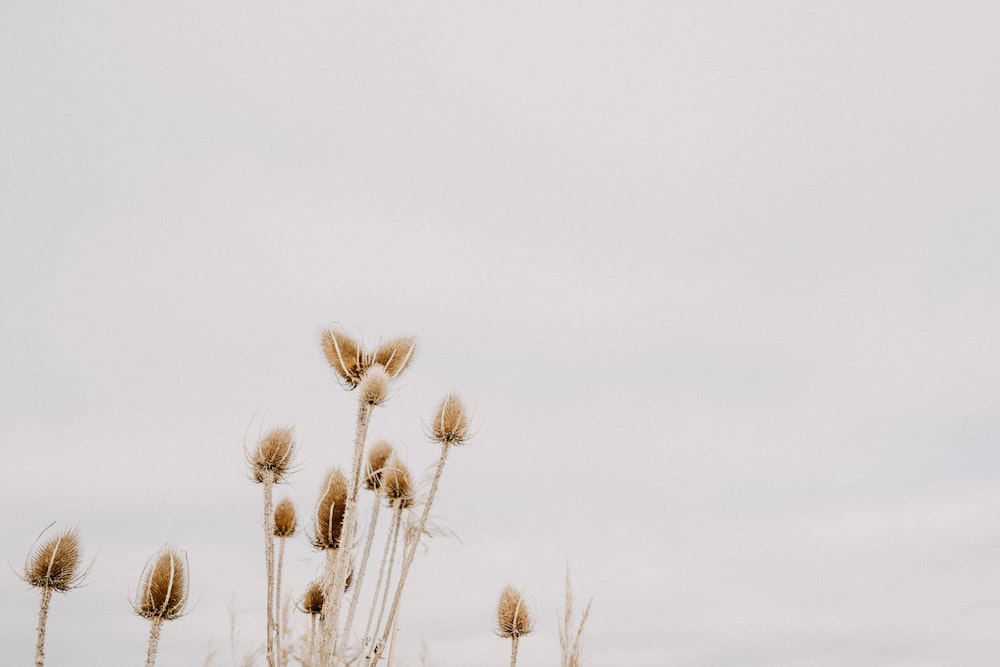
point(284, 527)
point(377, 458)
point(270, 462)
point(53, 565)
point(328, 533)
point(163, 594)
point(389, 554)
point(449, 428)
point(513, 619)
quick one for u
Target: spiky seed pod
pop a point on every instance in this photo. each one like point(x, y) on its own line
point(274, 454)
point(513, 617)
point(330, 511)
point(55, 563)
point(163, 591)
point(345, 357)
point(396, 354)
point(374, 385)
point(284, 519)
point(377, 456)
point(397, 483)
point(312, 601)
point(451, 426)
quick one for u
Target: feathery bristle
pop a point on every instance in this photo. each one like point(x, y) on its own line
point(396, 354)
point(330, 511)
point(284, 518)
point(377, 456)
point(451, 426)
point(274, 453)
point(54, 564)
point(396, 482)
point(513, 618)
point(374, 385)
point(164, 589)
point(312, 601)
point(345, 357)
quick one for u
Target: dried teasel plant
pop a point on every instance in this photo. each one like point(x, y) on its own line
point(345, 357)
point(449, 427)
point(163, 594)
point(285, 523)
point(53, 565)
point(269, 464)
point(513, 620)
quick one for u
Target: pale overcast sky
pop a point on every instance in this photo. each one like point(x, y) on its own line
point(720, 281)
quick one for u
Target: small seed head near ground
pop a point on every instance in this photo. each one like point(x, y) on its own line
point(513, 617)
point(312, 600)
point(285, 521)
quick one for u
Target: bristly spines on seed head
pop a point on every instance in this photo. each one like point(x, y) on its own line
point(274, 454)
point(285, 521)
point(397, 485)
point(55, 563)
point(395, 354)
point(450, 425)
point(374, 385)
point(513, 617)
point(163, 590)
point(330, 511)
point(345, 356)
point(313, 599)
point(377, 457)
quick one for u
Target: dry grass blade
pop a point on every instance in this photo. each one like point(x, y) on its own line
point(569, 641)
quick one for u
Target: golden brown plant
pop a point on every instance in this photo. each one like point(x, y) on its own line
point(312, 599)
point(284, 527)
point(451, 425)
point(395, 355)
point(285, 521)
point(54, 565)
point(374, 386)
point(397, 485)
point(345, 357)
point(377, 456)
point(513, 619)
point(163, 593)
point(330, 511)
point(273, 455)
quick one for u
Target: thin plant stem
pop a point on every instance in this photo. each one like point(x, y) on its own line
point(277, 597)
point(373, 522)
point(154, 640)
point(269, 558)
point(411, 551)
point(43, 615)
point(392, 539)
point(513, 650)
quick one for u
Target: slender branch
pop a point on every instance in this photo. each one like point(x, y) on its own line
point(43, 615)
point(154, 640)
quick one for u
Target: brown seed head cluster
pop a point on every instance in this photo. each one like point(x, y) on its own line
point(374, 385)
point(396, 482)
point(377, 456)
point(284, 518)
point(350, 361)
point(312, 601)
point(274, 454)
point(451, 426)
point(164, 588)
point(55, 563)
point(330, 511)
point(513, 618)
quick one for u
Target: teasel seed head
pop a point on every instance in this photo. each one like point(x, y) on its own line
point(345, 357)
point(397, 485)
point(330, 511)
point(451, 426)
point(313, 599)
point(55, 563)
point(374, 385)
point(284, 518)
point(513, 617)
point(274, 454)
point(396, 354)
point(377, 456)
point(163, 590)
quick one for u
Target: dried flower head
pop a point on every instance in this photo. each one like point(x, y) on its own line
point(513, 618)
point(330, 511)
point(395, 355)
point(397, 483)
point(274, 454)
point(164, 586)
point(345, 357)
point(284, 518)
point(313, 599)
point(374, 386)
point(451, 426)
point(55, 563)
point(377, 456)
